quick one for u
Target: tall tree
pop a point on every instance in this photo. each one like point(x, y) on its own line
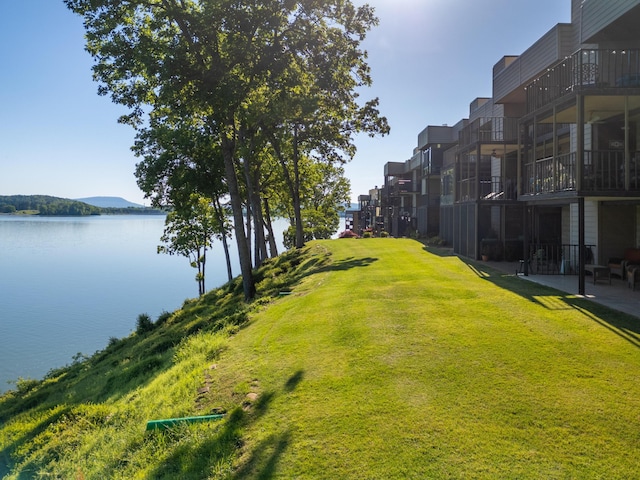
point(211, 60)
point(189, 231)
point(314, 100)
point(178, 160)
point(324, 190)
point(183, 58)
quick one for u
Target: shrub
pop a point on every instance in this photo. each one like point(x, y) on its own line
point(384, 234)
point(348, 234)
point(163, 317)
point(435, 241)
point(143, 324)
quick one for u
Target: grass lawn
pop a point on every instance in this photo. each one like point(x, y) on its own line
point(386, 361)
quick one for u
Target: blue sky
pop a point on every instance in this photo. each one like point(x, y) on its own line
point(429, 60)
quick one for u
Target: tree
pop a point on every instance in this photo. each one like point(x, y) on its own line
point(288, 68)
point(177, 161)
point(314, 100)
point(324, 191)
point(189, 231)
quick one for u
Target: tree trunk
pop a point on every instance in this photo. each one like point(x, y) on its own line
point(248, 284)
point(256, 208)
point(296, 191)
point(273, 247)
point(293, 191)
point(261, 244)
point(204, 261)
point(225, 244)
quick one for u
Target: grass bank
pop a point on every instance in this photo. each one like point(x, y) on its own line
point(385, 361)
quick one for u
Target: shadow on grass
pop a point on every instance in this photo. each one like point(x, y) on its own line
point(439, 251)
point(346, 264)
point(221, 446)
point(5, 453)
point(264, 458)
point(624, 325)
point(189, 462)
point(293, 381)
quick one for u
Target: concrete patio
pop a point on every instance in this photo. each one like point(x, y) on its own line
point(617, 296)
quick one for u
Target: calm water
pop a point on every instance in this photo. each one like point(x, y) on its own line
point(69, 284)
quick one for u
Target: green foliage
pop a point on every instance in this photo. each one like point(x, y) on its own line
point(189, 231)
point(46, 205)
point(144, 324)
point(163, 317)
point(435, 241)
point(452, 370)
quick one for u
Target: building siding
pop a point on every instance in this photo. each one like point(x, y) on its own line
point(598, 14)
point(548, 50)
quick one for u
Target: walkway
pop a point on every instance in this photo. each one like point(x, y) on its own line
point(617, 296)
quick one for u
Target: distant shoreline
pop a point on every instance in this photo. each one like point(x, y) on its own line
point(44, 205)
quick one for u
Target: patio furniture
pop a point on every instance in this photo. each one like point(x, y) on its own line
point(598, 271)
point(633, 276)
point(619, 266)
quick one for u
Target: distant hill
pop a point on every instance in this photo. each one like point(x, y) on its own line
point(109, 202)
point(48, 205)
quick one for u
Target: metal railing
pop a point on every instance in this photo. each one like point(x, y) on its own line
point(554, 259)
point(550, 174)
point(498, 188)
point(602, 170)
point(488, 130)
point(589, 68)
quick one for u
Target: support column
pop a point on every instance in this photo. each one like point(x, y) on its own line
point(525, 239)
point(579, 141)
point(520, 157)
point(554, 162)
point(581, 248)
point(627, 148)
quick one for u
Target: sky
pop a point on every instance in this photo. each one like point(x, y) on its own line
point(429, 60)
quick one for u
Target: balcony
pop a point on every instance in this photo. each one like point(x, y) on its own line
point(498, 188)
point(489, 130)
point(401, 186)
point(585, 69)
point(602, 171)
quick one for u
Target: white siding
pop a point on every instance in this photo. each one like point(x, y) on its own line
point(566, 224)
point(495, 167)
point(590, 226)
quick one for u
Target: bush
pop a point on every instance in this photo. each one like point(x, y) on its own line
point(435, 242)
point(144, 324)
point(348, 234)
point(163, 317)
point(384, 234)
point(7, 209)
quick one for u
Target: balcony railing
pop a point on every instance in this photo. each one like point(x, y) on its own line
point(619, 68)
point(602, 170)
point(498, 188)
point(466, 190)
point(489, 129)
point(553, 259)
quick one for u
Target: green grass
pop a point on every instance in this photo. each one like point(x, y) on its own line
point(387, 361)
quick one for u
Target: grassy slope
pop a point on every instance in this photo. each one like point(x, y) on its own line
point(387, 361)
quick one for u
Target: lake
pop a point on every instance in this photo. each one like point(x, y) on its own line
point(68, 284)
